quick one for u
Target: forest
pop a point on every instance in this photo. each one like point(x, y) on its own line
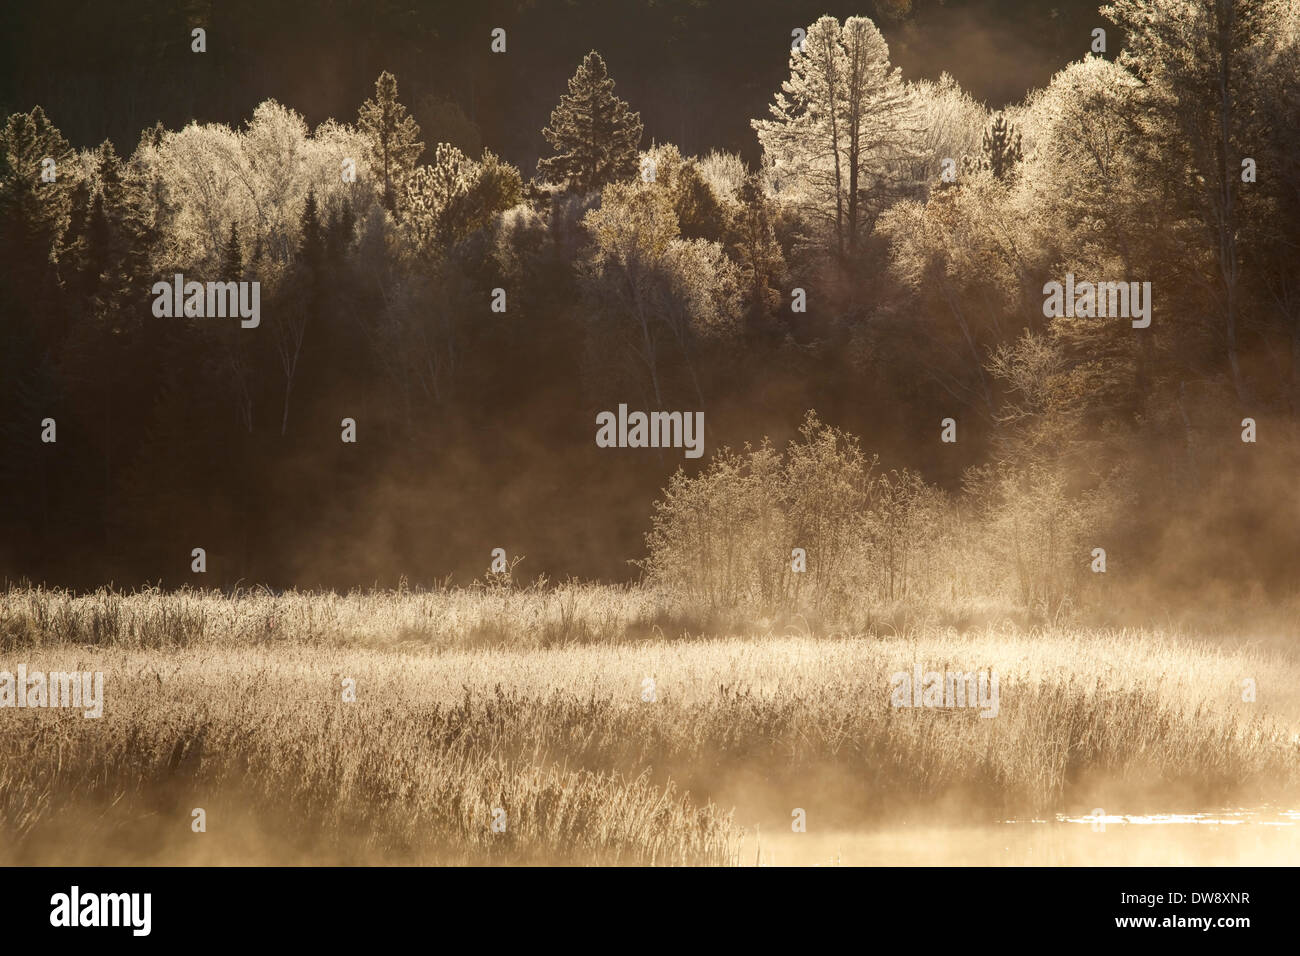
point(850, 281)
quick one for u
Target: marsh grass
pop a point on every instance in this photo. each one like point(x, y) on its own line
point(530, 700)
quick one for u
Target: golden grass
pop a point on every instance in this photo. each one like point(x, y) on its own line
point(234, 704)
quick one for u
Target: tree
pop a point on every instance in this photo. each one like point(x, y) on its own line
point(430, 192)
point(593, 133)
point(497, 186)
point(231, 360)
point(1000, 149)
point(754, 247)
point(965, 264)
point(952, 124)
point(654, 294)
point(312, 248)
point(105, 248)
point(454, 197)
point(1100, 219)
point(33, 213)
point(200, 172)
point(232, 266)
point(699, 212)
point(844, 122)
point(631, 233)
point(1276, 229)
point(392, 135)
point(1200, 62)
point(1084, 172)
point(339, 231)
point(33, 219)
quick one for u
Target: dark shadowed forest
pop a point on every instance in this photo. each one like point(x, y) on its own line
point(472, 252)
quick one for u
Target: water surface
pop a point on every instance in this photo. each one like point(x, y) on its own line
point(1229, 837)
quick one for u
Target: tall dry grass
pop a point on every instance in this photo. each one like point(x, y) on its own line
point(233, 704)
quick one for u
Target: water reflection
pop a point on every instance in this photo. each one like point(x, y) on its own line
point(1226, 837)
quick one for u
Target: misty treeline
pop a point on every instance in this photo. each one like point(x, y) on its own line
point(884, 264)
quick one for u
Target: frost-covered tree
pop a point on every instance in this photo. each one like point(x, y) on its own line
point(1099, 218)
point(951, 125)
point(201, 171)
point(593, 133)
point(455, 196)
point(206, 176)
point(655, 298)
point(393, 137)
point(841, 125)
point(430, 191)
point(1203, 66)
point(33, 214)
point(963, 258)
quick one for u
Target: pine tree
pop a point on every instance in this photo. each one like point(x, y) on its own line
point(699, 213)
point(232, 265)
point(593, 133)
point(1204, 69)
point(312, 248)
point(143, 201)
point(842, 126)
point(72, 245)
point(758, 253)
point(1001, 151)
point(339, 231)
point(107, 246)
point(33, 213)
point(99, 242)
point(109, 169)
point(393, 137)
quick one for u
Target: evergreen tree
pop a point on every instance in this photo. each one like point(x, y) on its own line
point(339, 231)
point(113, 266)
point(312, 247)
point(33, 213)
point(72, 245)
point(1204, 69)
point(699, 213)
point(392, 135)
point(109, 169)
point(1000, 149)
point(593, 133)
point(99, 242)
point(755, 249)
point(843, 127)
point(495, 187)
point(232, 265)
point(143, 201)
